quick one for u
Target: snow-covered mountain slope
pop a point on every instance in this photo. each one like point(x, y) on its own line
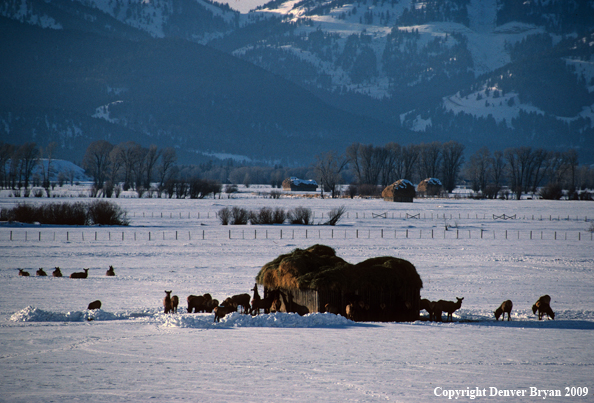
point(482, 72)
point(483, 61)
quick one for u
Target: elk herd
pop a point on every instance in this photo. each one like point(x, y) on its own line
point(82, 274)
point(271, 302)
point(58, 273)
point(205, 303)
point(436, 308)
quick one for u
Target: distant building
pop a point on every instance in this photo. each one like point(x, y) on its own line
point(301, 185)
point(430, 187)
point(400, 191)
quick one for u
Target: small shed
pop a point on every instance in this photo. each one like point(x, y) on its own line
point(430, 187)
point(400, 191)
point(295, 184)
point(382, 289)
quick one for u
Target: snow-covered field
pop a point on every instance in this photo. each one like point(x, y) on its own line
point(131, 351)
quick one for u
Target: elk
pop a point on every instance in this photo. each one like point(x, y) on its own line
point(40, 272)
point(80, 274)
point(57, 272)
point(94, 305)
point(174, 303)
point(331, 309)
point(429, 306)
point(226, 307)
point(167, 302)
point(200, 303)
point(506, 306)
point(243, 300)
point(23, 273)
point(259, 303)
point(110, 272)
point(350, 311)
point(447, 306)
point(543, 306)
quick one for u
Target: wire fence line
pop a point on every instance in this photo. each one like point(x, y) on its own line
point(277, 234)
point(381, 215)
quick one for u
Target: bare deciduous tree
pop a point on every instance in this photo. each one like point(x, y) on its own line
point(150, 161)
point(328, 168)
point(96, 161)
point(28, 154)
point(452, 159)
point(6, 150)
point(165, 169)
point(430, 157)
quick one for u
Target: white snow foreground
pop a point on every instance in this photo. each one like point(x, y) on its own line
point(132, 352)
point(197, 321)
point(567, 319)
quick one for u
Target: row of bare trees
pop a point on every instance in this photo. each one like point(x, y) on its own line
point(383, 165)
point(18, 165)
point(129, 163)
point(522, 169)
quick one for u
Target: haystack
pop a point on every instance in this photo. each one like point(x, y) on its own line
point(400, 191)
point(430, 187)
point(310, 278)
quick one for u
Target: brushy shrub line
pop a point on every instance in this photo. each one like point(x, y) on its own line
point(98, 212)
point(267, 216)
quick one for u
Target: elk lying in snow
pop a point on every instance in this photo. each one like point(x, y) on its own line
point(40, 272)
point(80, 274)
point(110, 272)
point(543, 306)
point(448, 307)
point(226, 307)
point(23, 273)
point(94, 305)
point(243, 300)
point(429, 306)
point(174, 303)
point(167, 302)
point(57, 272)
point(506, 306)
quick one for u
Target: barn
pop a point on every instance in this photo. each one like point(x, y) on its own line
point(400, 191)
point(382, 289)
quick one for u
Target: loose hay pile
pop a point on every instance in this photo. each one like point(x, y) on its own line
point(400, 191)
point(377, 280)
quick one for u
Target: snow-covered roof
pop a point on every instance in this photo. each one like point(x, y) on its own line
point(298, 182)
point(433, 181)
